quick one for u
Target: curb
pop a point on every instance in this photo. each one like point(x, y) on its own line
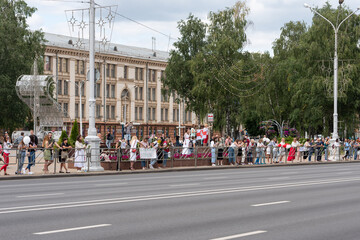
point(109, 173)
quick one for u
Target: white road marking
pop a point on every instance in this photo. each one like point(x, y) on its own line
point(270, 203)
point(40, 195)
point(240, 235)
point(286, 173)
point(184, 185)
point(278, 178)
point(110, 184)
point(169, 196)
point(343, 173)
point(215, 178)
point(72, 229)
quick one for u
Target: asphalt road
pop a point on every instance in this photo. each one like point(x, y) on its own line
point(298, 202)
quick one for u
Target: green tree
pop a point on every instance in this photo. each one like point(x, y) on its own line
point(74, 133)
point(18, 48)
point(62, 136)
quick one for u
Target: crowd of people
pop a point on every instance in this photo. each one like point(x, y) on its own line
point(245, 151)
point(265, 151)
point(28, 146)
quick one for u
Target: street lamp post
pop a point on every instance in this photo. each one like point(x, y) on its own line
point(92, 138)
point(335, 134)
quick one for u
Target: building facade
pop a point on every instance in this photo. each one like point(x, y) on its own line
point(128, 89)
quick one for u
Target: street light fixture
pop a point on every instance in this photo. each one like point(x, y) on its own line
point(336, 28)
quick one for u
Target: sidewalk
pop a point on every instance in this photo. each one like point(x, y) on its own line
point(37, 170)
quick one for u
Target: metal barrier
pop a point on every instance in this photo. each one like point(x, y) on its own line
point(197, 156)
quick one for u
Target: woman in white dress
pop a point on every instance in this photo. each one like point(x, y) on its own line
point(80, 156)
point(133, 146)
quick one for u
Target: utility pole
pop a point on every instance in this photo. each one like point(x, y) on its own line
point(92, 138)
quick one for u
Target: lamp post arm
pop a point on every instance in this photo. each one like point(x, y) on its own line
point(326, 19)
point(347, 18)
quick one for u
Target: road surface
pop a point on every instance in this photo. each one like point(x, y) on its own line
point(297, 202)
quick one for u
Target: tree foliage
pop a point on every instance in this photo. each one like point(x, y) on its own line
point(74, 133)
point(18, 48)
point(210, 69)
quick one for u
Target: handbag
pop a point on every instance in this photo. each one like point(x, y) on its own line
point(64, 155)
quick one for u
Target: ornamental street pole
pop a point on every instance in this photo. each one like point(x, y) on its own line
point(335, 134)
point(92, 138)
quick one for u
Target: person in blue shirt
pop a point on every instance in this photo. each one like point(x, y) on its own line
point(347, 149)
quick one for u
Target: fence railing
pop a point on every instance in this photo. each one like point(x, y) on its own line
point(119, 158)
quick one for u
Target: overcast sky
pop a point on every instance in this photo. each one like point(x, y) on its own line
point(268, 16)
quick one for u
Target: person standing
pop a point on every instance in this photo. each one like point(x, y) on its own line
point(144, 144)
point(356, 148)
point(326, 148)
point(251, 151)
point(294, 147)
point(133, 149)
point(128, 128)
point(31, 151)
point(311, 149)
point(65, 147)
point(282, 150)
point(109, 139)
point(319, 146)
point(239, 146)
point(18, 140)
point(220, 145)
point(80, 157)
point(232, 147)
point(22, 153)
point(347, 149)
point(260, 152)
point(213, 151)
point(166, 150)
point(48, 144)
point(6, 152)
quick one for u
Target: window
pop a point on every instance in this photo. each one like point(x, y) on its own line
point(162, 74)
point(136, 94)
point(112, 112)
point(108, 70)
point(136, 113)
point(98, 90)
point(141, 93)
point(66, 109)
point(82, 89)
point(165, 96)
point(166, 114)
point(59, 87)
point(79, 67)
point(76, 110)
point(66, 87)
point(98, 111)
point(107, 90)
point(77, 89)
point(176, 115)
point(47, 63)
point(125, 72)
point(149, 94)
point(162, 114)
point(113, 71)
point(153, 113)
point(149, 113)
point(141, 74)
point(63, 62)
point(140, 113)
point(136, 73)
point(112, 91)
point(153, 75)
point(107, 111)
point(153, 94)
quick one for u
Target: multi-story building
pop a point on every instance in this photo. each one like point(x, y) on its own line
point(129, 88)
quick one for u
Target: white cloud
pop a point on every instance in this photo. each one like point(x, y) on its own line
point(268, 17)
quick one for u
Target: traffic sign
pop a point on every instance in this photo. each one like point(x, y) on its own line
point(210, 117)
